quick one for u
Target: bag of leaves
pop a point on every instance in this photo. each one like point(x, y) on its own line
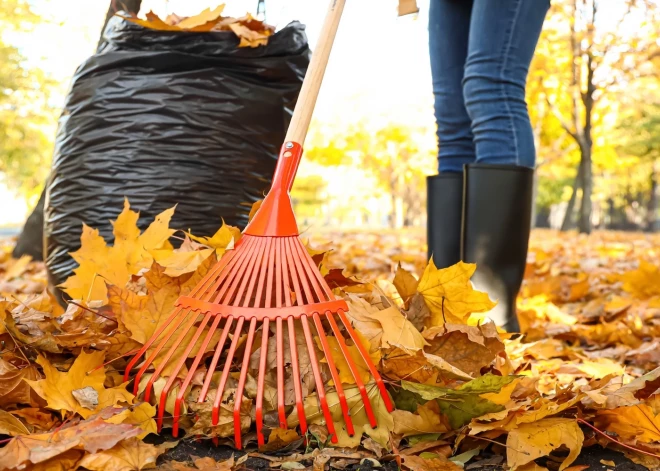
point(168, 116)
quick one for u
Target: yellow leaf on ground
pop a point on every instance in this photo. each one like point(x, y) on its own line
point(449, 294)
point(638, 422)
point(380, 434)
point(224, 239)
point(345, 373)
point(18, 267)
point(538, 439)
point(141, 416)
point(435, 463)
point(91, 435)
point(100, 264)
point(10, 425)
point(428, 419)
point(129, 455)
point(57, 388)
point(644, 282)
point(405, 283)
point(180, 263)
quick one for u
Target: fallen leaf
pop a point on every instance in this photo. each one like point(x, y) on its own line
point(57, 388)
point(449, 294)
point(537, 439)
point(632, 423)
point(10, 425)
point(439, 463)
point(91, 436)
point(405, 283)
point(128, 455)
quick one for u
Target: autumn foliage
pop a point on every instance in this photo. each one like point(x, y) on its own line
point(584, 373)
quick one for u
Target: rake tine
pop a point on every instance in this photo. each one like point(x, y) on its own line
point(216, 271)
point(211, 288)
point(236, 273)
point(173, 376)
point(295, 367)
point(191, 373)
point(280, 372)
point(149, 343)
point(261, 382)
point(335, 375)
point(247, 277)
point(168, 355)
point(150, 359)
point(311, 271)
point(238, 399)
point(225, 372)
point(214, 361)
point(301, 273)
point(320, 390)
point(353, 367)
point(271, 271)
point(367, 360)
point(279, 281)
point(253, 277)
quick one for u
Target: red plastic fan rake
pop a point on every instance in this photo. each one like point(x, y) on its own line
point(253, 284)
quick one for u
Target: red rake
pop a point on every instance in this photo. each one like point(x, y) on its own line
point(253, 284)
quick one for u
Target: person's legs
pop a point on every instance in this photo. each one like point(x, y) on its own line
point(498, 188)
point(449, 26)
point(503, 37)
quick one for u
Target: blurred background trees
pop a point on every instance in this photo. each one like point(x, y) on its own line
point(27, 118)
point(593, 95)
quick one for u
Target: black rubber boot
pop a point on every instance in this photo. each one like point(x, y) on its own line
point(496, 226)
point(444, 206)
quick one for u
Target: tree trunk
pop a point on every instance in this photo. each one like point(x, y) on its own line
point(129, 6)
point(584, 224)
point(567, 224)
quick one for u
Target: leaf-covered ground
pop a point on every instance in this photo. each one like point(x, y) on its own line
point(582, 377)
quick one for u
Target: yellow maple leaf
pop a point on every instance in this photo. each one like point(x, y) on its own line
point(132, 454)
point(644, 282)
point(180, 263)
point(384, 327)
point(140, 415)
point(57, 388)
point(538, 439)
point(449, 294)
point(633, 423)
point(427, 419)
point(131, 253)
point(224, 239)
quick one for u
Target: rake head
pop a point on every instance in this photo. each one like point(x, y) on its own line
point(267, 280)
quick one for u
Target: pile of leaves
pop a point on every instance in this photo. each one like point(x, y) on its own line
point(251, 31)
point(467, 396)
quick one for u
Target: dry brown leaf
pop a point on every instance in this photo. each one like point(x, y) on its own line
point(92, 436)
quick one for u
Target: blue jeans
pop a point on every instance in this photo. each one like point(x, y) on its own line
point(480, 55)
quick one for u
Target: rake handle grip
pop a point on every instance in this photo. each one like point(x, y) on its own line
point(302, 114)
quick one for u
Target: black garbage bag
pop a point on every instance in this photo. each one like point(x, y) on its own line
point(167, 118)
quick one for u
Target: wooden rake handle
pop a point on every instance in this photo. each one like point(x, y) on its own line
point(302, 114)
